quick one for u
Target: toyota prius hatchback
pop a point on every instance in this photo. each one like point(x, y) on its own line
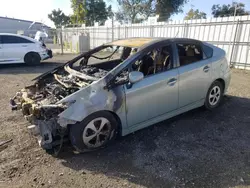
point(21, 49)
point(121, 87)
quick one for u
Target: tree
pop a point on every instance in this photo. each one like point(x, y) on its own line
point(137, 10)
point(79, 11)
point(166, 8)
point(59, 18)
point(97, 12)
point(228, 10)
point(133, 10)
point(195, 14)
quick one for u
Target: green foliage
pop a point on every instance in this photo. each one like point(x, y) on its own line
point(59, 18)
point(97, 12)
point(134, 10)
point(195, 14)
point(138, 10)
point(89, 12)
point(79, 11)
point(166, 8)
point(228, 10)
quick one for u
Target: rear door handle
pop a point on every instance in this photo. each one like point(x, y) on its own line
point(206, 68)
point(24, 45)
point(172, 81)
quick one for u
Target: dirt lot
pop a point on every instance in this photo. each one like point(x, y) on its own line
point(196, 149)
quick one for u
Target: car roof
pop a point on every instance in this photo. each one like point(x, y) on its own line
point(139, 42)
point(12, 34)
point(133, 42)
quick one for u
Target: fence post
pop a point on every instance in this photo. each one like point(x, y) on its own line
point(151, 31)
point(232, 51)
point(119, 32)
point(112, 28)
point(54, 39)
point(107, 34)
point(185, 33)
point(126, 32)
point(61, 42)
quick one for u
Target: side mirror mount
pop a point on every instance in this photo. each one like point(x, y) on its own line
point(135, 76)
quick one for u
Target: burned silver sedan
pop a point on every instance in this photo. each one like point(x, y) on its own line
point(121, 87)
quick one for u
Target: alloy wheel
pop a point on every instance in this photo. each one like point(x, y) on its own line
point(97, 132)
point(214, 95)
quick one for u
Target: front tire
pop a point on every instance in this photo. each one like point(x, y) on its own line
point(32, 58)
point(214, 95)
point(94, 132)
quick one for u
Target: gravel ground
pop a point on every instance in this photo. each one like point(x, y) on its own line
point(196, 149)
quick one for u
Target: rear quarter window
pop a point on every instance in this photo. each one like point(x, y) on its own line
point(9, 39)
point(208, 51)
point(23, 40)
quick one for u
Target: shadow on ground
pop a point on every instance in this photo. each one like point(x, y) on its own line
point(197, 149)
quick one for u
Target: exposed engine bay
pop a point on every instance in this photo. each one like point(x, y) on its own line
point(64, 84)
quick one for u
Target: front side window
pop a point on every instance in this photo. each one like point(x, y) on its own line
point(153, 62)
point(189, 53)
point(7, 39)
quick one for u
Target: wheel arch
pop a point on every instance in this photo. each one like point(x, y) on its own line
point(119, 125)
point(30, 53)
point(221, 81)
point(119, 131)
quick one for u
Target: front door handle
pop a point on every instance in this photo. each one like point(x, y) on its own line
point(172, 81)
point(24, 45)
point(206, 68)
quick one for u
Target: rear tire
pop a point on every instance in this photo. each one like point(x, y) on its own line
point(214, 95)
point(32, 58)
point(94, 132)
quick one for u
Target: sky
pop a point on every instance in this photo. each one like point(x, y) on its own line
point(38, 10)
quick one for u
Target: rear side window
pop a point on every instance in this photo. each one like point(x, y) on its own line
point(6, 39)
point(189, 53)
point(208, 51)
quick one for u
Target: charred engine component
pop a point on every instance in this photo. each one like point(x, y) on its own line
point(69, 81)
point(58, 91)
point(93, 71)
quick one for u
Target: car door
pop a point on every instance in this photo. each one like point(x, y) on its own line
point(194, 73)
point(14, 48)
point(153, 96)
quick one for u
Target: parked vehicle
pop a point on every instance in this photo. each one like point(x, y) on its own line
point(140, 82)
point(21, 49)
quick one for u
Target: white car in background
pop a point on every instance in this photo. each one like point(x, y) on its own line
point(21, 49)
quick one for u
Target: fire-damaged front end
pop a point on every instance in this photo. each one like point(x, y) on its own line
point(62, 97)
point(39, 105)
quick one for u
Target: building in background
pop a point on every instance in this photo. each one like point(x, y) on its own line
point(23, 27)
